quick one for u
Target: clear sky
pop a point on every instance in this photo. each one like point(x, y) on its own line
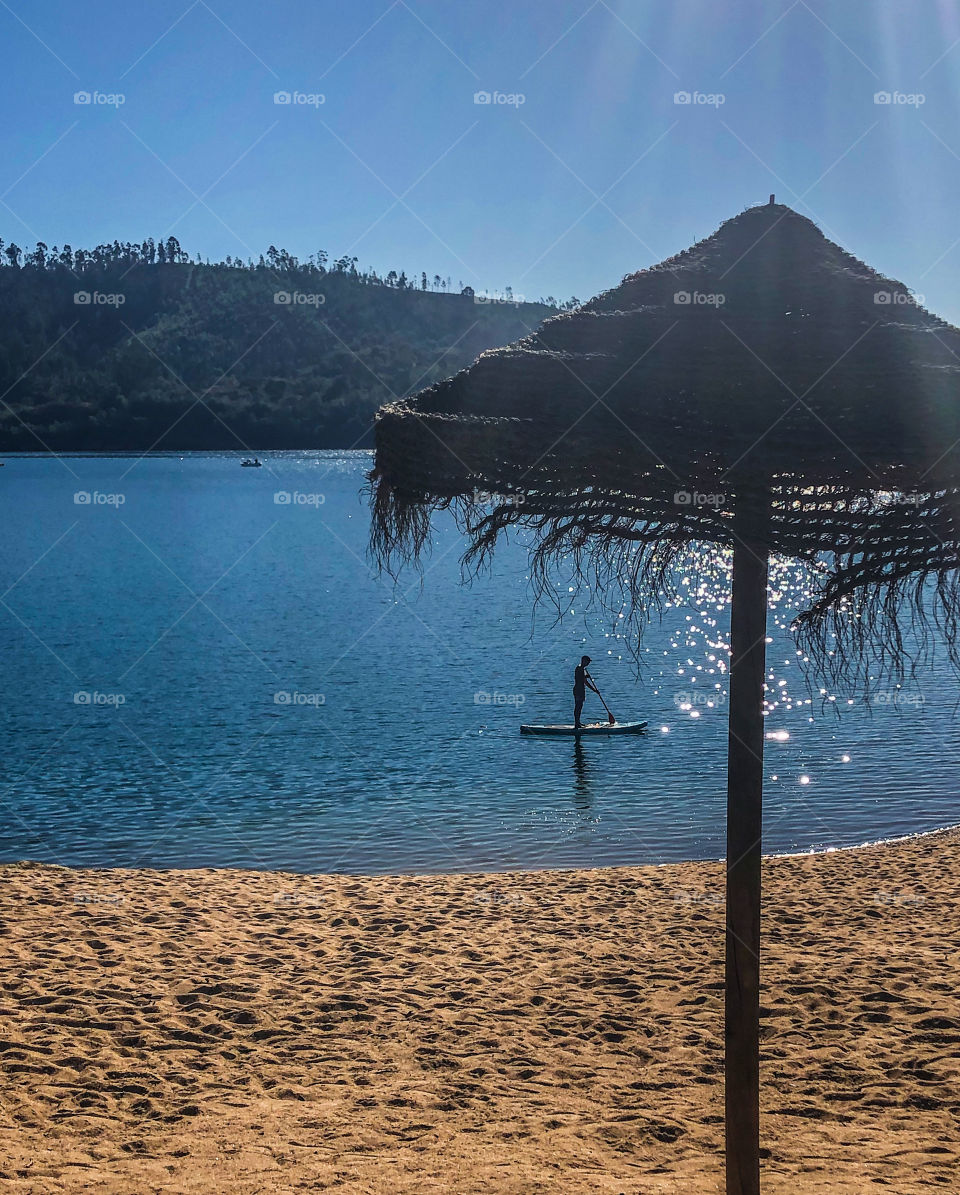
point(597, 172)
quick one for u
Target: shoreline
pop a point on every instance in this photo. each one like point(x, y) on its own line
point(510, 1032)
point(942, 831)
point(953, 828)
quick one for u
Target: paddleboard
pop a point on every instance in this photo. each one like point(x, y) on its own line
point(587, 728)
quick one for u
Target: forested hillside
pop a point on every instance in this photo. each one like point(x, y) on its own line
point(136, 347)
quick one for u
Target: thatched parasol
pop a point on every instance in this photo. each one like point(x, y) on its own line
point(763, 391)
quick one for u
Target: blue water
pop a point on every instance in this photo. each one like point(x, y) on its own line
point(199, 675)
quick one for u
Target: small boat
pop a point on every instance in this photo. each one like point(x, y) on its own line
point(256, 463)
point(587, 728)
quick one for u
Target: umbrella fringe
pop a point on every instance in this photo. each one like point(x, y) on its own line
point(877, 603)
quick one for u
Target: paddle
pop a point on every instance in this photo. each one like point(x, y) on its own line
point(610, 716)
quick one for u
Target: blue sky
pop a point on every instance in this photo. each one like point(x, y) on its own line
point(595, 173)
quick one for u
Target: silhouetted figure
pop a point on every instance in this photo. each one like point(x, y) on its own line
point(581, 682)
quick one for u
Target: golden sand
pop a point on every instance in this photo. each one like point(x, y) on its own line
point(238, 1031)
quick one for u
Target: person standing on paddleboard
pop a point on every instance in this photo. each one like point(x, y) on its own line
point(581, 682)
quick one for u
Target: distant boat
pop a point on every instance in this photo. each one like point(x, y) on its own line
point(256, 463)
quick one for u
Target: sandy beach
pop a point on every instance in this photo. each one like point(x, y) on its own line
point(552, 1031)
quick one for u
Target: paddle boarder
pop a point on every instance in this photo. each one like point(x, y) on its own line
point(581, 682)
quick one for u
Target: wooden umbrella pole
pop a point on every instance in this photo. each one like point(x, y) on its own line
point(748, 621)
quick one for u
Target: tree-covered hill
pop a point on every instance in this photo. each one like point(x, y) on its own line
point(132, 347)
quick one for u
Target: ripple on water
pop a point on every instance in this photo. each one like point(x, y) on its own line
point(397, 746)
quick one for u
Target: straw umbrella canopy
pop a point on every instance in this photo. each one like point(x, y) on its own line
point(763, 391)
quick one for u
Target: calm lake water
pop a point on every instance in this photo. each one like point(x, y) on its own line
point(198, 674)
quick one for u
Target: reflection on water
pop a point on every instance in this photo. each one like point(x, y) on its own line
point(581, 777)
